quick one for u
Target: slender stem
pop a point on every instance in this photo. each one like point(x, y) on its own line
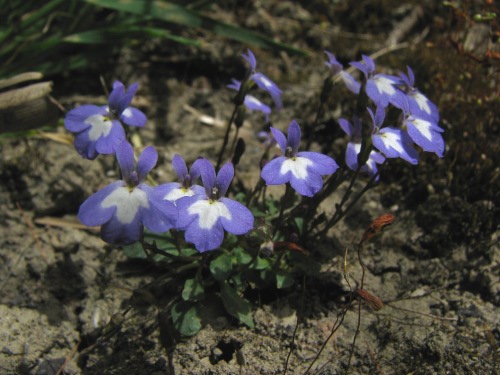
point(226, 137)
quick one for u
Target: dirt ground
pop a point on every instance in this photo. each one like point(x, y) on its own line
point(436, 268)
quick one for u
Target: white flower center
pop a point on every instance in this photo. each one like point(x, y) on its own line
point(100, 126)
point(209, 212)
point(392, 140)
point(127, 112)
point(423, 127)
point(175, 194)
point(127, 203)
point(297, 165)
point(384, 85)
point(423, 102)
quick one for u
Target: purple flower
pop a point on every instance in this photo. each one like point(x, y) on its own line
point(337, 69)
point(251, 102)
point(205, 217)
point(302, 169)
point(124, 207)
point(353, 130)
point(392, 142)
point(186, 186)
point(98, 130)
point(419, 104)
point(262, 80)
point(381, 88)
point(424, 131)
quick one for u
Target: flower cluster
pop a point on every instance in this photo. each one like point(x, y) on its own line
point(197, 202)
point(418, 123)
point(99, 130)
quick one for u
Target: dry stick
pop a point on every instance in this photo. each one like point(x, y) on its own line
point(358, 325)
point(301, 308)
point(68, 357)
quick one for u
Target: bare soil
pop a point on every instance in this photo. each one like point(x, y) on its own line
point(436, 268)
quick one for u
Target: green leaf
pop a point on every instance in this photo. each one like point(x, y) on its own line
point(242, 256)
point(221, 267)
point(171, 12)
point(260, 263)
point(111, 35)
point(284, 279)
point(134, 251)
point(186, 318)
point(193, 291)
point(236, 306)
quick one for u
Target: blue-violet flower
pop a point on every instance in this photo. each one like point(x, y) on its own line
point(250, 101)
point(337, 69)
point(354, 131)
point(392, 142)
point(381, 88)
point(186, 186)
point(204, 217)
point(124, 207)
point(262, 80)
point(302, 169)
point(99, 130)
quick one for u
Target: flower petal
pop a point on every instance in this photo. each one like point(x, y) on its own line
point(147, 160)
point(307, 186)
point(75, 119)
point(271, 173)
point(180, 167)
point(224, 178)
point(133, 117)
point(280, 139)
point(91, 212)
point(293, 137)
point(125, 157)
point(205, 239)
point(321, 164)
point(241, 221)
point(161, 215)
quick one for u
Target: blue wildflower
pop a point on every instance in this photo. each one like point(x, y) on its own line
point(251, 102)
point(392, 142)
point(302, 169)
point(419, 104)
point(124, 207)
point(262, 80)
point(206, 216)
point(381, 88)
point(186, 186)
point(353, 130)
point(422, 129)
point(99, 130)
point(337, 69)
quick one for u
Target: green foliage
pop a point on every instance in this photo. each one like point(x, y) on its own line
point(193, 290)
point(35, 35)
point(235, 305)
point(186, 318)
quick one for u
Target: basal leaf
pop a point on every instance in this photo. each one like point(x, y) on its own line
point(236, 306)
point(193, 291)
point(186, 318)
point(221, 267)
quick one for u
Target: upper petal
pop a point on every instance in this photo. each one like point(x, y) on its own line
point(147, 160)
point(224, 178)
point(294, 137)
point(125, 157)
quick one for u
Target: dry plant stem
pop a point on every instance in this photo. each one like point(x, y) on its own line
point(301, 309)
point(358, 325)
point(226, 137)
point(336, 326)
point(339, 213)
